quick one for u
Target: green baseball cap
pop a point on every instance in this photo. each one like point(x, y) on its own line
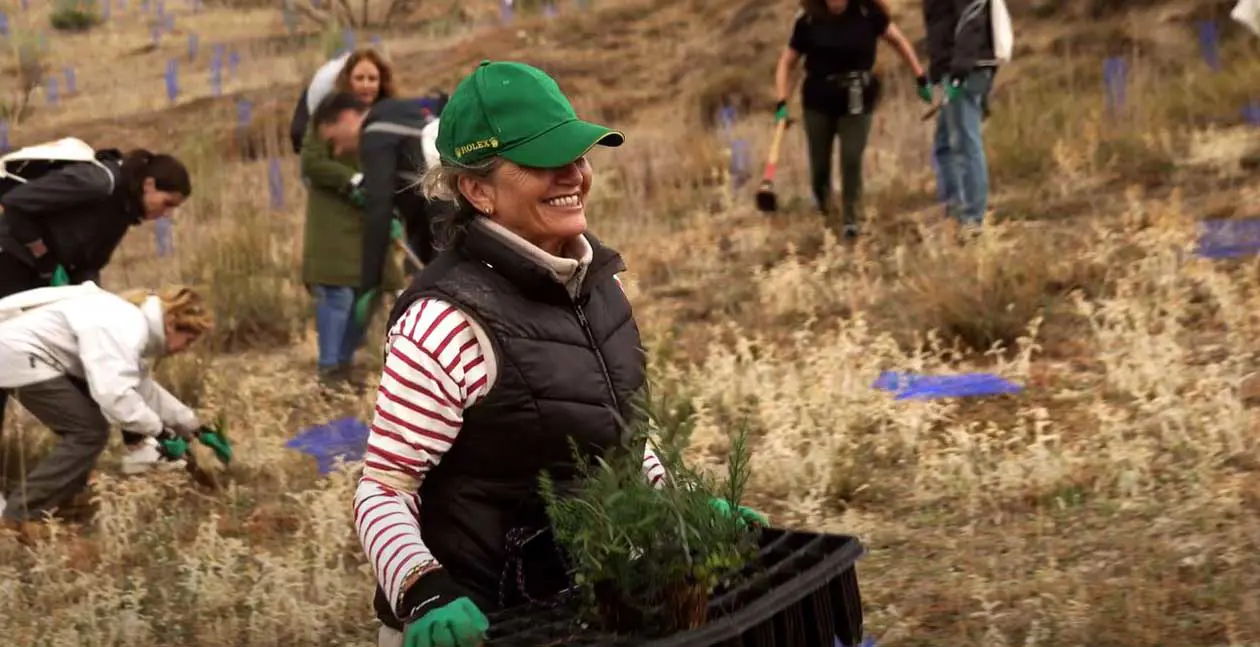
point(515, 111)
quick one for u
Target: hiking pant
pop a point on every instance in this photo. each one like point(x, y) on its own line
point(337, 332)
point(959, 149)
point(65, 406)
point(821, 130)
point(16, 276)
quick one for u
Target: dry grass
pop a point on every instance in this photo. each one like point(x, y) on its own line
point(1114, 502)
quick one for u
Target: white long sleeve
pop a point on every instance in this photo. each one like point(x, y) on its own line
point(110, 348)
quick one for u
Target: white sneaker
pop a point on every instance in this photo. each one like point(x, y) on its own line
point(144, 456)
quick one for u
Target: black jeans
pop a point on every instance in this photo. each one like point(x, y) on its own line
point(16, 276)
point(821, 132)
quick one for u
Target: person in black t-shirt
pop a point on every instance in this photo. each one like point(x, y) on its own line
point(838, 40)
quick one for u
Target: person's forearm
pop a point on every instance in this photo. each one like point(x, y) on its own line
point(899, 41)
point(782, 75)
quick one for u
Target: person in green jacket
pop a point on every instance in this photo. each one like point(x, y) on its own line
point(332, 258)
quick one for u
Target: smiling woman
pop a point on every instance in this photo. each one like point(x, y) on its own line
point(514, 341)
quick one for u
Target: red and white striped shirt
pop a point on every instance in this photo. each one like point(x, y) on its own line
point(439, 363)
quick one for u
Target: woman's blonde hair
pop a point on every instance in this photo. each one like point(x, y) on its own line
point(182, 307)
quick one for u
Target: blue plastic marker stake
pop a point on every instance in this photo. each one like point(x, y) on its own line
point(505, 12)
point(275, 183)
point(348, 39)
point(741, 162)
point(1115, 76)
point(51, 92)
point(1228, 238)
point(377, 43)
point(4, 23)
point(168, 23)
point(164, 230)
point(193, 42)
point(161, 9)
point(216, 79)
point(244, 113)
point(909, 386)
point(1251, 112)
point(1210, 44)
point(290, 17)
point(4, 136)
point(342, 439)
point(234, 62)
point(172, 80)
point(71, 84)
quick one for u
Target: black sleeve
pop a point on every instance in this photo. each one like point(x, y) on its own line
point(28, 207)
point(378, 153)
point(879, 18)
point(969, 35)
point(799, 41)
point(297, 127)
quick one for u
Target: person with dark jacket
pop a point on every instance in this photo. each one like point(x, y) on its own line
point(962, 61)
point(514, 341)
point(395, 142)
point(74, 217)
point(838, 40)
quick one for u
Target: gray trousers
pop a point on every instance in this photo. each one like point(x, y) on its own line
point(65, 406)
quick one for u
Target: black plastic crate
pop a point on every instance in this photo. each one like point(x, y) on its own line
point(802, 591)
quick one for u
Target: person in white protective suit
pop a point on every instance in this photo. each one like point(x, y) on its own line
point(73, 356)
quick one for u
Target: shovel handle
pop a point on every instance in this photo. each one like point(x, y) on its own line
point(773, 160)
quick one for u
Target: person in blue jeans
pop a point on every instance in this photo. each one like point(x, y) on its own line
point(962, 62)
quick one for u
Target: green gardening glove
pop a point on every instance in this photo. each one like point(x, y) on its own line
point(780, 111)
point(358, 197)
point(457, 624)
point(172, 446)
point(924, 89)
point(60, 277)
point(363, 306)
point(396, 230)
point(213, 438)
point(746, 515)
point(953, 88)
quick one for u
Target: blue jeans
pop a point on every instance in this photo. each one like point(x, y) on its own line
point(339, 335)
point(959, 150)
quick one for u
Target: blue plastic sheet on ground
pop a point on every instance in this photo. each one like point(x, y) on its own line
point(1228, 238)
point(344, 438)
point(910, 386)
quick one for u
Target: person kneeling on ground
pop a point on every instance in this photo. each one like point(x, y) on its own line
point(73, 218)
point(515, 341)
point(75, 361)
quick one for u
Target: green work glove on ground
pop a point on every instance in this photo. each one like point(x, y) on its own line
point(172, 446)
point(746, 515)
point(60, 277)
point(214, 439)
point(363, 306)
point(780, 111)
point(925, 89)
point(458, 624)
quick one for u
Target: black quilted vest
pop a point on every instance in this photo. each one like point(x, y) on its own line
point(567, 369)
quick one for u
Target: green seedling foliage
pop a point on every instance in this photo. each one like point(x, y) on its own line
point(623, 535)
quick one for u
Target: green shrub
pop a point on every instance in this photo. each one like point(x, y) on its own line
point(74, 15)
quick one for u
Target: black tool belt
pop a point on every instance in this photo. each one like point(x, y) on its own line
point(856, 92)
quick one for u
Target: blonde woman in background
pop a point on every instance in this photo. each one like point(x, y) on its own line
point(74, 357)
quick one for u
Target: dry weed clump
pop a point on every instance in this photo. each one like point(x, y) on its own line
point(986, 292)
